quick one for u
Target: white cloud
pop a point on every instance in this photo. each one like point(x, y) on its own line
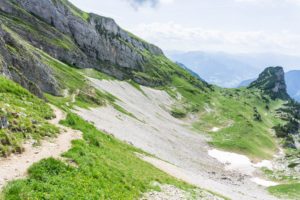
point(152, 3)
point(167, 1)
point(294, 1)
point(174, 36)
point(218, 25)
point(269, 1)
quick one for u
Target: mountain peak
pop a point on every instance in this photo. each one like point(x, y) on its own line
point(272, 82)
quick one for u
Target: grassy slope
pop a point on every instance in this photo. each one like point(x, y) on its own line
point(105, 169)
point(290, 191)
point(26, 115)
point(240, 132)
point(289, 179)
point(231, 110)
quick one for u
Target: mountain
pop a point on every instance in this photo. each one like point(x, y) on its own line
point(93, 112)
point(189, 70)
point(79, 39)
point(293, 84)
point(272, 82)
point(228, 70)
point(246, 83)
point(216, 68)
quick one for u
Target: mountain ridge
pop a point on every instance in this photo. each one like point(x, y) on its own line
point(78, 39)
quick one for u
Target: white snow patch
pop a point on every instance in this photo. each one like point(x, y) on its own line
point(233, 161)
point(263, 182)
point(215, 129)
point(242, 164)
point(265, 163)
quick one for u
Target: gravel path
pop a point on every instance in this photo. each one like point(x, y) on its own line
point(15, 166)
point(170, 192)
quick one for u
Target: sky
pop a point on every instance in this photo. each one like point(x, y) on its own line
point(231, 26)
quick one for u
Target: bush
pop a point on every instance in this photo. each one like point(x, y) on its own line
point(178, 113)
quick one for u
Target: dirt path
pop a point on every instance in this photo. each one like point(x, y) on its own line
point(16, 166)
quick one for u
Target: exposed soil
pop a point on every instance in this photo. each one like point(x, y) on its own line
point(15, 166)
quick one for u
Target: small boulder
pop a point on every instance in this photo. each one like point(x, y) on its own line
point(3, 122)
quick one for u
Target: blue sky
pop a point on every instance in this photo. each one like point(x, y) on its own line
point(232, 26)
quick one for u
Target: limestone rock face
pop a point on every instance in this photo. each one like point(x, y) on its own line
point(68, 34)
point(272, 82)
point(25, 68)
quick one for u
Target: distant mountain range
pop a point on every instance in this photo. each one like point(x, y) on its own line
point(246, 83)
point(292, 79)
point(190, 71)
point(229, 70)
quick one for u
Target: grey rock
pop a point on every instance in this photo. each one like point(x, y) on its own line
point(24, 67)
point(57, 28)
point(3, 122)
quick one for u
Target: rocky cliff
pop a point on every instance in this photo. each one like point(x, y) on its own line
point(272, 82)
point(292, 83)
point(56, 27)
point(24, 67)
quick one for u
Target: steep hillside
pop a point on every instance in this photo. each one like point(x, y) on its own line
point(22, 117)
point(272, 83)
point(292, 84)
point(78, 39)
point(97, 166)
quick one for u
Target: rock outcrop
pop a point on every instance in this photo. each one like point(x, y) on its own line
point(3, 122)
point(272, 82)
point(24, 67)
